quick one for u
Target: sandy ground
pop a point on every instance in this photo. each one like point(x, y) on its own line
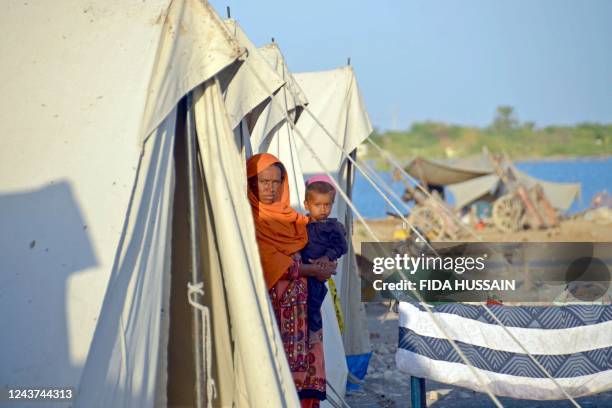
point(596, 228)
point(385, 386)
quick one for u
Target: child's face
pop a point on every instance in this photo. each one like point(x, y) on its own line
point(319, 205)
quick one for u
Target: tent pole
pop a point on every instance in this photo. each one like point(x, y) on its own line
point(194, 242)
point(350, 175)
point(417, 392)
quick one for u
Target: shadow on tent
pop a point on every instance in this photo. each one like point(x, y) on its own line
point(43, 241)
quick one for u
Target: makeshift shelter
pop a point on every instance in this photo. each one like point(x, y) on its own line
point(445, 172)
point(93, 201)
point(491, 186)
point(475, 178)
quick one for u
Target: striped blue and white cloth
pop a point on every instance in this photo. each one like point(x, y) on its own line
point(573, 343)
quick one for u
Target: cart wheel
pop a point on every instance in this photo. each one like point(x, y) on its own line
point(428, 222)
point(507, 211)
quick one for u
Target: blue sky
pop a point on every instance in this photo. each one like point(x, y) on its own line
point(451, 61)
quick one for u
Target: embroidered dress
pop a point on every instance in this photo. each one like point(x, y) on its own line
point(306, 362)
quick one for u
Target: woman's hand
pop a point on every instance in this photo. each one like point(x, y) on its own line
point(325, 268)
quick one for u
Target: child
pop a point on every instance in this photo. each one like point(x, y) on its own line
point(326, 242)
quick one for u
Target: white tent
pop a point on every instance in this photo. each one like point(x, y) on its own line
point(336, 102)
point(91, 208)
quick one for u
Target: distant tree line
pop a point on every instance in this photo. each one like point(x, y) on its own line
point(505, 134)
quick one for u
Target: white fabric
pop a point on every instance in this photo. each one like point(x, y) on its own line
point(423, 351)
point(123, 358)
point(501, 384)
point(294, 95)
point(567, 341)
point(264, 376)
point(560, 195)
point(335, 100)
point(282, 144)
point(244, 88)
point(191, 46)
point(290, 96)
point(469, 191)
point(272, 134)
point(88, 119)
point(86, 86)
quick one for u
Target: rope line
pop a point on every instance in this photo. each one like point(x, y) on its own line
point(198, 289)
point(372, 183)
point(342, 400)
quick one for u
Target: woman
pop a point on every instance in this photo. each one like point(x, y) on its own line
point(281, 234)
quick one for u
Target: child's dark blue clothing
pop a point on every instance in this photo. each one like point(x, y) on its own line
point(325, 238)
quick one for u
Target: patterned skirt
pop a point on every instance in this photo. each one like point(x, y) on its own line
point(305, 361)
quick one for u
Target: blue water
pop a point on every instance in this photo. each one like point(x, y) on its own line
point(594, 174)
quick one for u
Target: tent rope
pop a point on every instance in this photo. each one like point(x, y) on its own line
point(198, 289)
point(368, 178)
point(394, 162)
point(343, 402)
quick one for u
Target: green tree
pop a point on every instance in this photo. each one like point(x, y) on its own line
point(504, 118)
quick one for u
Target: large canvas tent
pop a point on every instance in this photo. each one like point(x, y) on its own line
point(92, 207)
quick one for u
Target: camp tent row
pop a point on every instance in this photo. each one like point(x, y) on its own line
point(94, 241)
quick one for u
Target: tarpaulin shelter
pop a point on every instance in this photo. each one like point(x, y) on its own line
point(560, 195)
point(445, 172)
point(93, 202)
point(475, 178)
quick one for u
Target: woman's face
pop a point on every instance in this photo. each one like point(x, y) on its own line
point(267, 184)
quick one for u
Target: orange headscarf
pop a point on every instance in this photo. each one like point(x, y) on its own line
point(280, 230)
